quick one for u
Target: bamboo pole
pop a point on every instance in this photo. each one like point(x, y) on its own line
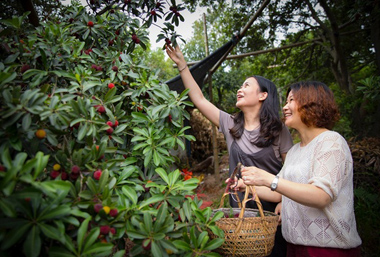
point(213, 127)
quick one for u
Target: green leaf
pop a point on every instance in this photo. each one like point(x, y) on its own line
point(41, 162)
point(163, 175)
point(214, 244)
point(14, 235)
point(7, 209)
point(50, 231)
point(136, 235)
point(148, 221)
point(152, 200)
point(179, 244)
point(91, 238)
point(100, 248)
point(81, 233)
point(54, 213)
point(130, 193)
point(26, 121)
point(59, 252)
point(32, 244)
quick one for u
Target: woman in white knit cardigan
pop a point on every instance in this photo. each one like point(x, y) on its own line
point(316, 180)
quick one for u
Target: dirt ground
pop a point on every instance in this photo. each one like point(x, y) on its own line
point(211, 189)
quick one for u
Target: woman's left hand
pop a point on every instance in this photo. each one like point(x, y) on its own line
point(256, 177)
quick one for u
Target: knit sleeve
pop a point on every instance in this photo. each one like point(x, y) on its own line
point(332, 164)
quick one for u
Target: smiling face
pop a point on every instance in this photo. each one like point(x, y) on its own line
point(249, 94)
point(291, 115)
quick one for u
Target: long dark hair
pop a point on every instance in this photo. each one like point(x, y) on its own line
point(270, 122)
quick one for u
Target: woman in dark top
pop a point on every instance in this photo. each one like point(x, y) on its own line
point(255, 136)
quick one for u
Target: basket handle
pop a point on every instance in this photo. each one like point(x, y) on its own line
point(249, 189)
point(252, 190)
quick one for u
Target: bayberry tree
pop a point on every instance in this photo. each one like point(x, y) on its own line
point(86, 133)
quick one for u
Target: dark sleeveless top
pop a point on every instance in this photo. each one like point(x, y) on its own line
point(264, 159)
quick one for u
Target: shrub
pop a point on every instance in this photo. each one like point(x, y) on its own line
point(77, 155)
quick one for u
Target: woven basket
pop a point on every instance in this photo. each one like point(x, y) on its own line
point(251, 234)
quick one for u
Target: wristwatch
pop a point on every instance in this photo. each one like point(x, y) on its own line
point(273, 186)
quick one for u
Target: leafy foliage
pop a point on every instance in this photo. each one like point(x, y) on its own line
point(86, 137)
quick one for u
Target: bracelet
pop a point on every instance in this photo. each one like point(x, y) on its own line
point(182, 69)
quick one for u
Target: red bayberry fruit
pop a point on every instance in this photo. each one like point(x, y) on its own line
point(117, 32)
point(115, 124)
point(115, 68)
point(64, 176)
point(99, 68)
point(153, 12)
point(113, 212)
point(97, 174)
point(110, 42)
point(101, 109)
point(170, 118)
point(24, 68)
point(104, 230)
point(54, 174)
point(111, 85)
point(98, 207)
point(158, 4)
point(94, 66)
point(113, 231)
point(74, 176)
point(75, 169)
point(168, 42)
point(90, 24)
point(2, 168)
point(27, 199)
point(109, 131)
point(109, 123)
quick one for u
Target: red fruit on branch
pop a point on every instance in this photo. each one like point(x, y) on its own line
point(64, 176)
point(153, 13)
point(115, 124)
point(24, 68)
point(100, 108)
point(75, 169)
point(97, 174)
point(113, 231)
point(135, 39)
point(54, 174)
point(109, 131)
point(113, 212)
point(90, 24)
point(167, 41)
point(115, 68)
point(104, 230)
point(109, 123)
point(98, 207)
point(117, 32)
point(111, 85)
point(2, 168)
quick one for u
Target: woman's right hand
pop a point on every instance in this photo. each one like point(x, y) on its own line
point(176, 55)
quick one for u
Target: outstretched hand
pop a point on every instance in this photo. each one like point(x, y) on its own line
point(176, 55)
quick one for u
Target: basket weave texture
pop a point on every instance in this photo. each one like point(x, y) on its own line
point(250, 234)
point(256, 235)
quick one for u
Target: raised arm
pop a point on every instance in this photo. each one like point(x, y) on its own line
point(210, 111)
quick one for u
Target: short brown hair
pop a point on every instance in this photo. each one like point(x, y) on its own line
point(316, 103)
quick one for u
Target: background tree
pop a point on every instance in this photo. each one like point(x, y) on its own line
point(342, 49)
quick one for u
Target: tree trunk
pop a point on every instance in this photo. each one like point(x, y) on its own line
point(29, 7)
